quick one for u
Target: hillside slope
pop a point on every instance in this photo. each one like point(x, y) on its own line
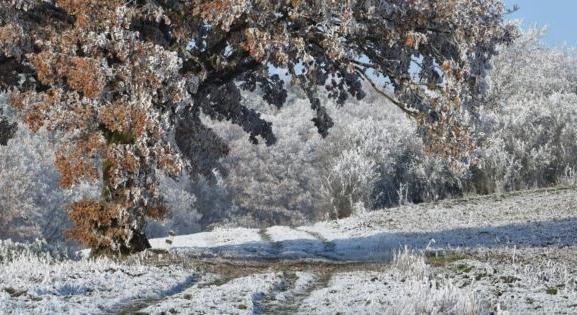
point(516, 252)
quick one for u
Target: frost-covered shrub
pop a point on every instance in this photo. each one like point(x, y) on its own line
point(417, 177)
point(280, 186)
point(38, 250)
point(403, 172)
point(357, 155)
point(529, 134)
point(349, 180)
point(533, 145)
point(31, 203)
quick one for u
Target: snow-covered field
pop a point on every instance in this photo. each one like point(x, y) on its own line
point(515, 253)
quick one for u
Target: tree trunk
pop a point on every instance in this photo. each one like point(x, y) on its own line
point(138, 243)
point(7, 130)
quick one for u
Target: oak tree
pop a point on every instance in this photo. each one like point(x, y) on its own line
point(123, 82)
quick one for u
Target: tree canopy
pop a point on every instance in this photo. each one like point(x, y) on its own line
point(123, 83)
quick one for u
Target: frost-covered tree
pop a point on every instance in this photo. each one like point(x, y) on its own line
point(122, 83)
point(527, 131)
point(31, 203)
point(526, 128)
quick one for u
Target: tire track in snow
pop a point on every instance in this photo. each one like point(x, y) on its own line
point(289, 298)
point(299, 279)
point(329, 247)
point(265, 304)
point(139, 306)
point(135, 305)
point(276, 247)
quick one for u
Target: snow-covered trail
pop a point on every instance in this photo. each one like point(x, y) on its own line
point(345, 266)
point(539, 218)
point(265, 287)
point(515, 252)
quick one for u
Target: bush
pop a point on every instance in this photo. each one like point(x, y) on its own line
point(31, 203)
point(11, 251)
point(528, 132)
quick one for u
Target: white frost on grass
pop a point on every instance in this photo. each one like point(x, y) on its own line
point(521, 281)
point(515, 253)
point(407, 286)
point(237, 296)
point(526, 219)
point(37, 285)
point(383, 293)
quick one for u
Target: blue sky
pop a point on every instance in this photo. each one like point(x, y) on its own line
point(559, 15)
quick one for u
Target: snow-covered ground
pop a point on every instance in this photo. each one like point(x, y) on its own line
point(522, 219)
point(515, 253)
point(40, 284)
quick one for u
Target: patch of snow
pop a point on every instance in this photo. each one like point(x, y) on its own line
point(237, 296)
point(217, 238)
point(39, 286)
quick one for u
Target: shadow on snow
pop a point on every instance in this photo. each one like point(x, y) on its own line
point(380, 246)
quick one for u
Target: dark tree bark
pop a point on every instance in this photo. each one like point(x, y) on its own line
point(7, 130)
point(138, 243)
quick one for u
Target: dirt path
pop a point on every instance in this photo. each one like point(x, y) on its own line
point(515, 252)
point(329, 247)
point(298, 279)
point(293, 296)
point(276, 247)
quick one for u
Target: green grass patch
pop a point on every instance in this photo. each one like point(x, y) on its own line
point(464, 268)
point(441, 259)
point(551, 291)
